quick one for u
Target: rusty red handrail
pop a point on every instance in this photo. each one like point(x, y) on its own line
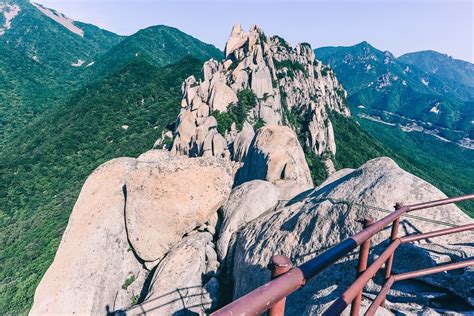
point(356, 288)
point(267, 295)
point(409, 275)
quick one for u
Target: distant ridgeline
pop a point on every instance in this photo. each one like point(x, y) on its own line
point(419, 105)
point(42, 67)
point(422, 91)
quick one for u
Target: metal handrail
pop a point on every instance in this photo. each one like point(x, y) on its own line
point(356, 288)
point(264, 297)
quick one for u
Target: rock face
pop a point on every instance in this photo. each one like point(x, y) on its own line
point(276, 156)
point(246, 202)
point(130, 213)
point(168, 196)
point(242, 142)
point(144, 230)
point(322, 218)
point(290, 87)
point(93, 260)
point(176, 287)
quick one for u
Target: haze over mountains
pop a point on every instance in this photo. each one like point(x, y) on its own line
point(73, 96)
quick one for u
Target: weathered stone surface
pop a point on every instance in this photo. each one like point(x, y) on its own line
point(275, 155)
point(236, 40)
point(284, 79)
point(219, 146)
point(177, 286)
point(261, 82)
point(93, 260)
point(169, 196)
point(150, 203)
point(319, 219)
point(246, 202)
point(184, 133)
point(330, 168)
point(242, 142)
point(221, 96)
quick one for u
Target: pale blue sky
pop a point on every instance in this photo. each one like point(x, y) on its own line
point(398, 26)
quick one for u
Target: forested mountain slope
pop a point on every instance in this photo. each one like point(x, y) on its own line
point(159, 45)
point(388, 88)
point(441, 65)
point(43, 168)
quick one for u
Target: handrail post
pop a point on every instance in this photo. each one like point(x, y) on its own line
point(393, 236)
point(262, 298)
point(363, 259)
point(279, 265)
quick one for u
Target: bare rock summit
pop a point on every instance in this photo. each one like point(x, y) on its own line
point(263, 80)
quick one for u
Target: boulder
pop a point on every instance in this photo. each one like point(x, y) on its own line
point(236, 40)
point(184, 133)
point(219, 146)
point(246, 202)
point(177, 287)
point(221, 97)
point(269, 115)
point(317, 220)
point(276, 156)
point(129, 214)
point(94, 259)
point(168, 196)
point(261, 81)
point(242, 142)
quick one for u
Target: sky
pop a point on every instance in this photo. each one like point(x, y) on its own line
point(397, 26)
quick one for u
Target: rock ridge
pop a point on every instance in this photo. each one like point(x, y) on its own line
point(263, 80)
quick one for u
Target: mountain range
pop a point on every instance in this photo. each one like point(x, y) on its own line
point(55, 56)
point(257, 163)
point(73, 96)
point(53, 115)
point(441, 65)
point(421, 114)
point(408, 90)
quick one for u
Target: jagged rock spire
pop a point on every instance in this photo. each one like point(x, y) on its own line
point(287, 86)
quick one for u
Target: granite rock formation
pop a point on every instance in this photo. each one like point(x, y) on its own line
point(289, 86)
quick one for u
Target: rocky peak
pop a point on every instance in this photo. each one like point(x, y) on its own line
point(388, 58)
point(7, 13)
point(262, 81)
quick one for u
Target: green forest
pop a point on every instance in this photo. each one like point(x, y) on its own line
point(60, 121)
point(41, 172)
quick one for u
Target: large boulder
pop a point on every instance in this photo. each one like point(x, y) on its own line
point(276, 156)
point(246, 202)
point(317, 220)
point(93, 261)
point(221, 96)
point(130, 212)
point(168, 196)
point(177, 286)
